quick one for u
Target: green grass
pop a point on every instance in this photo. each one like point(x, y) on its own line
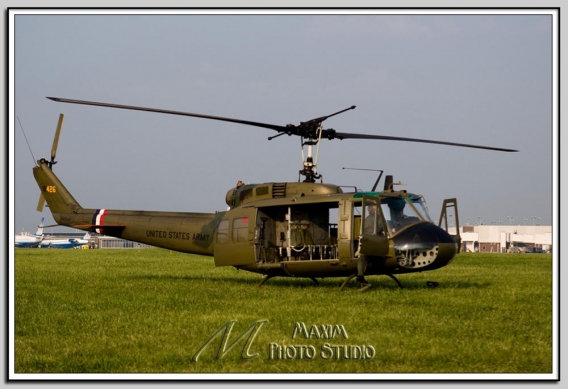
point(149, 311)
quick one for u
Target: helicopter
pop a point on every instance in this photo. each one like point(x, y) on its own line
point(299, 229)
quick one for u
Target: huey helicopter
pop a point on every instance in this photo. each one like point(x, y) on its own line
point(283, 228)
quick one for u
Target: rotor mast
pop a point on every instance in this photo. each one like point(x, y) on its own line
point(311, 130)
point(310, 166)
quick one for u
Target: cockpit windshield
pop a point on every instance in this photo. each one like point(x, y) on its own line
point(402, 211)
point(420, 204)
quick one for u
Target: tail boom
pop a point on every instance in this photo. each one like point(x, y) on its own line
point(181, 231)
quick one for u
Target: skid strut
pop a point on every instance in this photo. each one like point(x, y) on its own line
point(264, 279)
point(395, 279)
point(346, 281)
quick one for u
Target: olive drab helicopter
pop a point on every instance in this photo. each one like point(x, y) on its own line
point(289, 229)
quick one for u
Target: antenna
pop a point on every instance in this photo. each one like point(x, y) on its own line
point(33, 158)
point(372, 170)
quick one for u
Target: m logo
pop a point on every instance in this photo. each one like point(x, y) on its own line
point(226, 329)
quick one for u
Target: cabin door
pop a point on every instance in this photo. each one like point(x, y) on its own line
point(234, 240)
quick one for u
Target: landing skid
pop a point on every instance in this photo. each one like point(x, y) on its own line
point(367, 287)
point(267, 277)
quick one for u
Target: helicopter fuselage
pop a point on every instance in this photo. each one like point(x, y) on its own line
point(298, 229)
point(294, 229)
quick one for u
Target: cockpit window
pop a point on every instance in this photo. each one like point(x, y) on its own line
point(402, 211)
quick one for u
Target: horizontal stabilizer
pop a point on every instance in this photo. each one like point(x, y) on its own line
point(54, 225)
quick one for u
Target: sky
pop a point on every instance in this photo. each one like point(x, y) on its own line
point(478, 78)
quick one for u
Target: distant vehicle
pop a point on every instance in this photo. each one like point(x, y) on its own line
point(526, 249)
point(70, 243)
point(534, 250)
point(25, 239)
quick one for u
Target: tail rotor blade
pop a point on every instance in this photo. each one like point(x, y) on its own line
point(56, 139)
point(40, 203)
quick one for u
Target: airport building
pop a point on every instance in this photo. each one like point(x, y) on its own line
point(109, 242)
point(497, 238)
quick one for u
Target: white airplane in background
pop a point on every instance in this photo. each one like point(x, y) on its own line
point(65, 243)
point(25, 239)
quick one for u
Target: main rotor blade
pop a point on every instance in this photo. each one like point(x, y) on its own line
point(56, 139)
point(345, 135)
point(301, 129)
point(322, 118)
point(256, 124)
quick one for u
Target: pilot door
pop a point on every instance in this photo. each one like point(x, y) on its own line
point(373, 235)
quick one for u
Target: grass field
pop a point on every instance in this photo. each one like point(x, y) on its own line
point(150, 310)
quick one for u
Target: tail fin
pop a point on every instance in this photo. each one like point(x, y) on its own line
point(56, 195)
point(39, 231)
point(87, 236)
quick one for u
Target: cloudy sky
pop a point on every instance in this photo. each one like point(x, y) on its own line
point(469, 78)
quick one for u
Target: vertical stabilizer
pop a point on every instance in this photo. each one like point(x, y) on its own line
point(56, 195)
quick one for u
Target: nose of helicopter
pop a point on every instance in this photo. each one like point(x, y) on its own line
point(424, 245)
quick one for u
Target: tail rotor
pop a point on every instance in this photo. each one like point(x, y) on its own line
point(52, 162)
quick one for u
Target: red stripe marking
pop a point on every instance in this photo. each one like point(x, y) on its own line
point(102, 220)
